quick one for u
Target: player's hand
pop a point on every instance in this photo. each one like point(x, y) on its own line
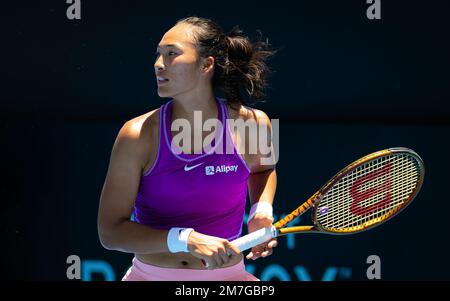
point(261, 220)
point(215, 251)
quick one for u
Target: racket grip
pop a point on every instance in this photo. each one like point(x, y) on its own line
point(255, 238)
point(251, 240)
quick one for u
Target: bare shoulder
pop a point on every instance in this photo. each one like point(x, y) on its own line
point(137, 140)
point(244, 141)
point(248, 113)
point(141, 127)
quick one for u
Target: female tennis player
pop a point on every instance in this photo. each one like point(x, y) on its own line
point(188, 203)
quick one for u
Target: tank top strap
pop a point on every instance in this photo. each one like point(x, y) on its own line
point(163, 147)
point(228, 145)
point(162, 151)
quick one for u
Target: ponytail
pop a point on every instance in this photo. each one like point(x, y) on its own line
point(240, 65)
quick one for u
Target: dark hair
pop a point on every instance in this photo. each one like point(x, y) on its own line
point(240, 65)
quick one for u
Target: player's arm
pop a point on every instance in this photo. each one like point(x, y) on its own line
point(262, 185)
point(115, 229)
point(262, 181)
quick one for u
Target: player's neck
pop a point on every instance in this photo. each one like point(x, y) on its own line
point(186, 107)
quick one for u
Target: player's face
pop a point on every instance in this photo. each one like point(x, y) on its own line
point(177, 65)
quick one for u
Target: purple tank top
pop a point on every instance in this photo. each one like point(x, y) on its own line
point(205, 191)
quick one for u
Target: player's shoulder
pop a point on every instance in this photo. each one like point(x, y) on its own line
point(140, 127)
point(248, 113)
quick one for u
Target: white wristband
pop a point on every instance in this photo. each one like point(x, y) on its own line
point(260, 207)
point(177, 239)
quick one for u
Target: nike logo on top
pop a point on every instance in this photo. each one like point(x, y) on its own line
point(188, 168)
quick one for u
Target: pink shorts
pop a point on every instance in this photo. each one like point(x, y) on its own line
point(140, 271)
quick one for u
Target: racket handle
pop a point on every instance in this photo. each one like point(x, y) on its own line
point(255, 238)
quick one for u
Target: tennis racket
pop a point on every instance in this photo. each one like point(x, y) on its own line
point(363, 195)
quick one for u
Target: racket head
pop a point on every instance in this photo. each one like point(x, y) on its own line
point(351, 202)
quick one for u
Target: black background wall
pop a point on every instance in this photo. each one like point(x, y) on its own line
point(343, 86)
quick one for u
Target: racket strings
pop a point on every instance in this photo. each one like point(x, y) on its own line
point(379, 186)
point(404, 181)
point(378, 208)
point(370, 193)
point(378, 213)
